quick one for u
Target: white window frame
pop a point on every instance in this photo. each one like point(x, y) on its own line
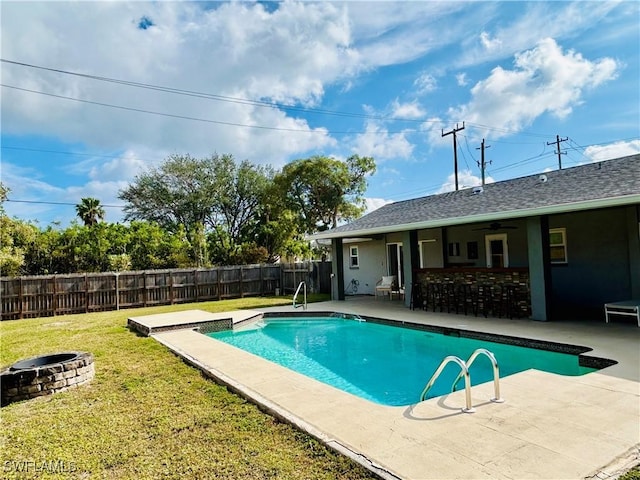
point(563, 244)
point(395, 269)
point(505, 248)
point(421, 244)
point(354, 257)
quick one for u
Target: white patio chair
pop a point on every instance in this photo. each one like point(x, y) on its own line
point(385, 285)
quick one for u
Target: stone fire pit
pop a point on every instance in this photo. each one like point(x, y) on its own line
point(45, 375)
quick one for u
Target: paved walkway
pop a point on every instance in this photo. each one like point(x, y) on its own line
point(550, 427)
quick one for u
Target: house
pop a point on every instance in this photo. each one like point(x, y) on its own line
point(572, 236)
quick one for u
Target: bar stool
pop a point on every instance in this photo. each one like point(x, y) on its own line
point(465, 297)
point(485, 298)
point(449, 296)
point(507, 300)
point(417, 298)
point(512, 296)
point(438, 295)
point(435, 294)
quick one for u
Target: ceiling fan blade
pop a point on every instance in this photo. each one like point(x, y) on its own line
point(496, 226)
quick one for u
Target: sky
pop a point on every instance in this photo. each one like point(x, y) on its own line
point(95, 93)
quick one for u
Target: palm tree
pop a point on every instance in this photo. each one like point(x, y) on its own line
point(89, 211)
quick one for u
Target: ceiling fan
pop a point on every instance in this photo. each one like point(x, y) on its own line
point(497, 226)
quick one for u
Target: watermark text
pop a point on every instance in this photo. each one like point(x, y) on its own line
point(39, 466)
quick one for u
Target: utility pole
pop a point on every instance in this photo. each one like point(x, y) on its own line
point(482, 164)
point(455, 149)
point(560, 153)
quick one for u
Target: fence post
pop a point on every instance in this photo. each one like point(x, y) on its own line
point(219, 284)
point(241, 283)
point(261, 280)
point(55, 297)
point(195, 284)
point(171, 286)
point(20, 298)
point(86, 294)
point(144, 288)
point(117, 274)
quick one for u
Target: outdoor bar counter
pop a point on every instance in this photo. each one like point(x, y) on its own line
point(499, 292)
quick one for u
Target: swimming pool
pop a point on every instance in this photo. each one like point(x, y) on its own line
point(386, 364)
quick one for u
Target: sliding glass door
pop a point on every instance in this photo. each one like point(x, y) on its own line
point(395, 261)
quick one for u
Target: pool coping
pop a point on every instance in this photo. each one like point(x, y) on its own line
point(290, 397)
point(202, 320)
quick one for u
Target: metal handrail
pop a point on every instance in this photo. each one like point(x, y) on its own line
point(467, 381)
point(496, 372)
point(300, 285)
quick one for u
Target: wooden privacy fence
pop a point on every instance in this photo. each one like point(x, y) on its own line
point(41, 296)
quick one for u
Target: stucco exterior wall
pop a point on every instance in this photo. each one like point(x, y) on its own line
point(599, 267)
point(372, 266)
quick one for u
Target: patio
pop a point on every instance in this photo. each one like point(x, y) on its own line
point(550, 426)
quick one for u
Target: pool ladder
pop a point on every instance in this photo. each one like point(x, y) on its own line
point(464, 367)
point(302, 285)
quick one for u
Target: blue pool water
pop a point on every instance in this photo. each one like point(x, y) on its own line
point(384, 364)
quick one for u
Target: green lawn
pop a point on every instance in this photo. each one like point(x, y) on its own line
point(146, 414)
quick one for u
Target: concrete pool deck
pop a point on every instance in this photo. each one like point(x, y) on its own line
point(550, 427)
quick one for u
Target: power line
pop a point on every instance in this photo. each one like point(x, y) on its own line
point(576, 147)
point(261, 103)
point(84, 154)
point(196, 119)
point(140, 110)
point(480, 126)
point(211, 96)
point(466, 142)
point(57, 203)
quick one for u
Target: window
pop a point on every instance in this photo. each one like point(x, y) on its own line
point(428, 252)
point(454, 249)
point(497, 250)
point(354, 261)
point(472, 250)
point(558, 245)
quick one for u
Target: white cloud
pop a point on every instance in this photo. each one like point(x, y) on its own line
point(490, 43)
point(378, 143)
point(544, 80)
point(410, 110)
point(466, 179)
point(392, 33)
point(375, 203)
point(425, 83)
point(461, 79)
point(552, 19)
point(234, 50)
point(598, 153)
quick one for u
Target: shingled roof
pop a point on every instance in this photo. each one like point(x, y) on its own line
point(594, 185)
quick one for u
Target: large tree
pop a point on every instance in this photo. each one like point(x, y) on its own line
point(243, 198)
point(181, 191)
point(90, 211)
point(322, 191)
point(211, 198)
point(15, 236)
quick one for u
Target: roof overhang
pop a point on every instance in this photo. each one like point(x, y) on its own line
point(488, 217)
